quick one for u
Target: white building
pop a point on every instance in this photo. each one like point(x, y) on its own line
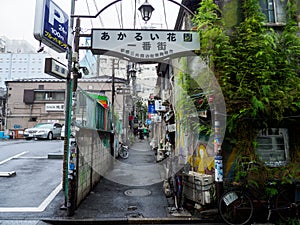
point(146, 80)
point(21, 65)
point(19, 59)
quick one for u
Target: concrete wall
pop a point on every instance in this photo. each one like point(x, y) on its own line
point(94, 160)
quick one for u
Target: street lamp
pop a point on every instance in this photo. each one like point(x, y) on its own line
point(146, 10)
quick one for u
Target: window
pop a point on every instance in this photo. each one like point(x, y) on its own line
point(272, 146)
point(49, 95)
point(274, 11)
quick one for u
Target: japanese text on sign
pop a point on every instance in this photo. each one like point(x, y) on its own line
point(145, 44)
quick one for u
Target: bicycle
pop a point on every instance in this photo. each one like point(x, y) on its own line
point(123, 151)
point(237, 205)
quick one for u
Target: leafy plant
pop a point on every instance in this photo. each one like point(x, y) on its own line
point(257, 68)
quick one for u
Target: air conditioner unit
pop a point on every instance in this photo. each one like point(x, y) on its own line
point(159, 106)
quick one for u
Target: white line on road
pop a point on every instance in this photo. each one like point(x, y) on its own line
point(13, 157)
point(40, 208)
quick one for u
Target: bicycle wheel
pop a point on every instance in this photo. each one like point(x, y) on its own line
point(178, 192)
point(236, 207)
point(283, 205)
point(123, 153)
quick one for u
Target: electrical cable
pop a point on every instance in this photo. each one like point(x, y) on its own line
point(88, 8)
point(118, 15)
point(121, 9)
point(101, 21)
point(134, 19)
point(165, 15)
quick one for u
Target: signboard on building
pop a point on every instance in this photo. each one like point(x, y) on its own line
point(145, 45)
point(51, 25)
point(54, 107)
point(55, 68)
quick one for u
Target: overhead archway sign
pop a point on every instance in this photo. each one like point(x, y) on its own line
point(144, 45)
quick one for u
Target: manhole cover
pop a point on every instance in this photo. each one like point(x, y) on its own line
point(137, 192)
point(135, 215)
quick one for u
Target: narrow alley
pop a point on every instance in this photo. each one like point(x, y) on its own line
point(132, 192)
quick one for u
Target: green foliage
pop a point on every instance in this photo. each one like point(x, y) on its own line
point(188, 106)
point(257, 67)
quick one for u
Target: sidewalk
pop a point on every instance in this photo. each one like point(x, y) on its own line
point(130, 193)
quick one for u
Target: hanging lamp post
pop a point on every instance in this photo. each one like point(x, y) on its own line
point(146, 10)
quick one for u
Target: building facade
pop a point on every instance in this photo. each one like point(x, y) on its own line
point(31, 101)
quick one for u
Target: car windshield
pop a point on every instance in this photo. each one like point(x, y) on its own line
point(43, 125)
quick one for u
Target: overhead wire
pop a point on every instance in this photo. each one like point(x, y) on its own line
point(100, 19)
point(88, 8)
point(118, 15)
point(134, 19)
point(165, 14)
point(121, 9)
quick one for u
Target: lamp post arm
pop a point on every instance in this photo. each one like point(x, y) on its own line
point(95, 16)
point(183, 6)
point(114, 2)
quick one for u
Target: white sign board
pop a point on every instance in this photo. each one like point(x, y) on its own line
point(144, 44)
point(54, 107)
point(55, 68)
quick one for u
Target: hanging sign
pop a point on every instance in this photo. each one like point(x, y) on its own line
point(144, 44)
point(55, 68)
point(51, 25)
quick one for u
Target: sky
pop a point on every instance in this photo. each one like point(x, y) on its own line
point(17, 16)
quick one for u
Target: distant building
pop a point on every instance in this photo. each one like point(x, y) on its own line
point(19, 59)
point(30, 101)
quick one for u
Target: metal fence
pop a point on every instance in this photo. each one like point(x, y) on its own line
point(92, 111)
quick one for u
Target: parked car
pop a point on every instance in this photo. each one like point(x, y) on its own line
point(62, 133)
point(43, 131)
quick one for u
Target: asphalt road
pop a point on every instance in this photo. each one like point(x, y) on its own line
point(35, 179)
point(34, 196)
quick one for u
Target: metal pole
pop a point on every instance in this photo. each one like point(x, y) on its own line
point(68, 105)
point(73, 154)
point(218, 157)
point(113, 108)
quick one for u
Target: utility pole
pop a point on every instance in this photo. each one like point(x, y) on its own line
point(73, 150)
point(68, 105)
point(218, 156)
point(113, 108)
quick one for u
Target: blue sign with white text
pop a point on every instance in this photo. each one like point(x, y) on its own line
point(151, 108)
point(56, 23)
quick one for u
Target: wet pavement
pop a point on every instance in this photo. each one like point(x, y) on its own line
point(131, 193)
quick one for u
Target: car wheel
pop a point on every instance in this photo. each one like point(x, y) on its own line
point(50, 136)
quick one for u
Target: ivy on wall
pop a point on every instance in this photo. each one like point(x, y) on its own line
point(257, 68)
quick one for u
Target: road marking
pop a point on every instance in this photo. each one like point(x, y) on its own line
point(40, 208)
point(13, 157)
point(33, 157)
